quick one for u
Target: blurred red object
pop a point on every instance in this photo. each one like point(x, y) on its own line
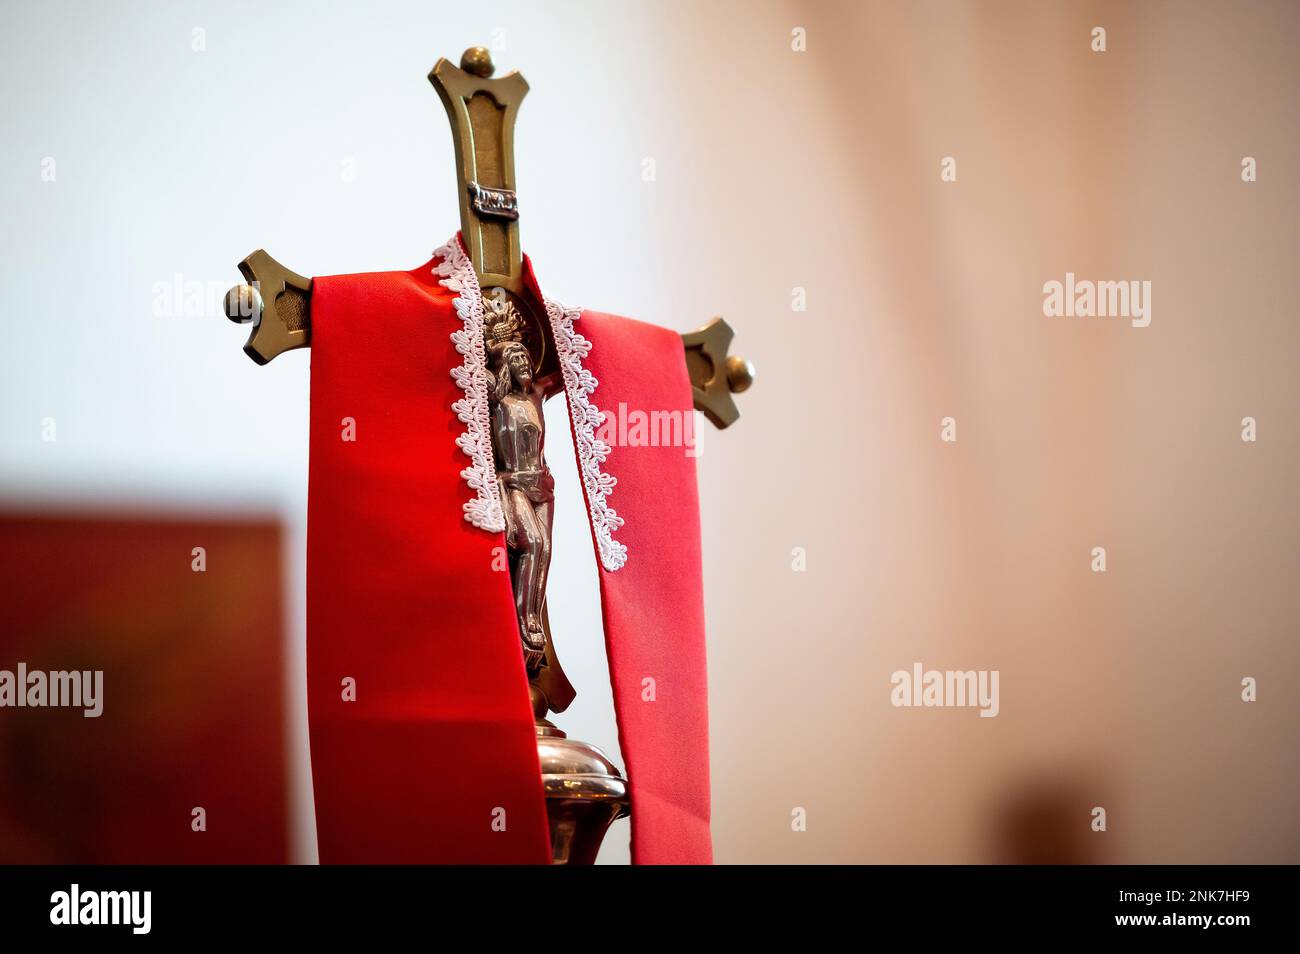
point(193, 693)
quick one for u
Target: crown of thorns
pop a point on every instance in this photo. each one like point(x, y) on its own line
point(503, 327)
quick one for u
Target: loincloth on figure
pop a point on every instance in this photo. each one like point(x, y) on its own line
point(537, 485)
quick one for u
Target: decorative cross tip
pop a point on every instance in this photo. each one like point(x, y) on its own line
point(276, 301)
point(715, 375)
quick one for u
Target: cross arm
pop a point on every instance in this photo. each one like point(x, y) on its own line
point(277, 303)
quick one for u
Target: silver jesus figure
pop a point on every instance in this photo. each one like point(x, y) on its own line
point(527, 488)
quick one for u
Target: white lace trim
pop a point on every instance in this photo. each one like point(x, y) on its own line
point(579, 383)
point(483, 510)
point(456, 272)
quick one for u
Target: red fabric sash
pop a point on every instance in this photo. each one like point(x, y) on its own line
point(402, 597)
point(653, 607)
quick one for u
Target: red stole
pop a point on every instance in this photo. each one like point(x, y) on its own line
point(422, 741)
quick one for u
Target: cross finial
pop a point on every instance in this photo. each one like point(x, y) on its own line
point(477, 61)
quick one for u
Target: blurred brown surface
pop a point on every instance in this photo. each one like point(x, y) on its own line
point(192, 690)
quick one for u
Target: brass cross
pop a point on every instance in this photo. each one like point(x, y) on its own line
point(583, 788)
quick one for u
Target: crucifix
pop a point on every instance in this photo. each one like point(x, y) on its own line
point(584, 790)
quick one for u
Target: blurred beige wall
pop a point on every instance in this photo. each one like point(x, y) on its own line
point(822, 170)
